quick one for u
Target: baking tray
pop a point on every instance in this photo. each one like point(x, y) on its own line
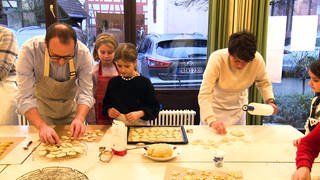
point(64, 131)
point(157, 134)
point(14, 141)
point(178, 172)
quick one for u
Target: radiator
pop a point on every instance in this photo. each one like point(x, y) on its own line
point(174, 118)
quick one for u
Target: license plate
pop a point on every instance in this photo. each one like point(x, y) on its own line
point(189, 70)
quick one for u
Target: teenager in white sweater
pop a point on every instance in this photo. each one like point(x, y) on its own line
point(228, 75)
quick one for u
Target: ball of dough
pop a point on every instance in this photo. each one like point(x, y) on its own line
point(160, 150)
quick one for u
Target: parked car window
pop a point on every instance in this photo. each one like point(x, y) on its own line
point(144, 46)
point(182, 48)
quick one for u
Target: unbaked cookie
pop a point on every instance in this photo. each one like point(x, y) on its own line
point(69, 149)
point(237, 133)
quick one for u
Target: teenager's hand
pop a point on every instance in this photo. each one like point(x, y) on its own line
point(135, 115)
point(219, 127)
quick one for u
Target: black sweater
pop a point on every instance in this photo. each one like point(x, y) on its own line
point(133, 95)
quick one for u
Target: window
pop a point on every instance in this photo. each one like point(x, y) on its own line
point(172, 52)
point(300, 47)
point(152, 17)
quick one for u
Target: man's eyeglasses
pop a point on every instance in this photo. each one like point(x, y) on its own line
point(56, 58)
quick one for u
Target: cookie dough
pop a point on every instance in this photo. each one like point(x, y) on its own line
point(160, 150)
point(67, 149)
point(237, 133)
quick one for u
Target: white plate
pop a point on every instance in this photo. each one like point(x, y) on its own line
point(174, 155)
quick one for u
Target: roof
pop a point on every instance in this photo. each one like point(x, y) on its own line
point(73, 8)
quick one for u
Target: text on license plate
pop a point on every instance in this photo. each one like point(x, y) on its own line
point(188, 70)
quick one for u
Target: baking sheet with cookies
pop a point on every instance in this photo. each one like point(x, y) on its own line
point(94, 133)
point(7, 144)
point(68, 149)
point(157, 134)
point(14, 151)
point(178, 172)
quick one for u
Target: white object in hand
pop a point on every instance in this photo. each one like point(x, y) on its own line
point(258, 109)
point(123, 118)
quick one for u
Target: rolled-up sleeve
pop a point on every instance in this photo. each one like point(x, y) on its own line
point(8, 52)
point(84, 81)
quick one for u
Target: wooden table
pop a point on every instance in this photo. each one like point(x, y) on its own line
point(265, 152)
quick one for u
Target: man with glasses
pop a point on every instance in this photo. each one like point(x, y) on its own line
point(55, 82)
point(228, 75)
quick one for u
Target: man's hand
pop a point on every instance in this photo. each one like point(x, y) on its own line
point(135, 115)
point(302, 173)
point(113, 113)
point(48, 135)
point(219, 127)
point(77, 128)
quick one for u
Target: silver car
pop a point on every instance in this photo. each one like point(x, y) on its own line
point(173, 59)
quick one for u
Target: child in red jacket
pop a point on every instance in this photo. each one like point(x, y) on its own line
point(314, 83)
point(308, 150)
point(309, 146)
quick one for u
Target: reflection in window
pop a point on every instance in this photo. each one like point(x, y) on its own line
point(173, 59)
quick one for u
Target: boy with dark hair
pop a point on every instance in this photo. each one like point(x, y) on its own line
point(228, 75)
